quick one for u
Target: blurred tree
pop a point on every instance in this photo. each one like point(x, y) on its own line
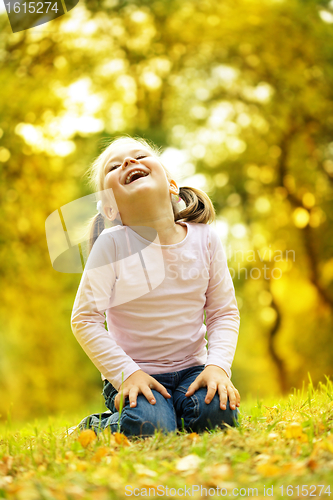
point(245, 91)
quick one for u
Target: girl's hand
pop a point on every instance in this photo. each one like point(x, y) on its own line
point(139, 383)
point(216, 379)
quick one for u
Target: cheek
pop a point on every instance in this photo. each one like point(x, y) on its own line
point(159, 169)
point(111, 179)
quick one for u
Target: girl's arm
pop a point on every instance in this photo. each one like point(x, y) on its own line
point(222, 322)
point(222, 314)
point(87, 320)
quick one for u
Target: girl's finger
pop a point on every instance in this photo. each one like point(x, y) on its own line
point(211, 391)
point(133, 394)
point(117, 399)
point(223, 393)
point(237, 397)
point(192, 388)
point(232, 397)
point(148, 394)
point(160, 388)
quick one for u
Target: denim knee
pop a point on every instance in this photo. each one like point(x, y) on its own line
point(144, 419)
point(200, 416)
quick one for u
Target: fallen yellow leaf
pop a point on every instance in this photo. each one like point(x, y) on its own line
point(263, 458)
point(100, 453)
point(81, 465)
point(6, 464)
point(12, 489)
point(294, 430)
point(86, 437)
point(121, 439)
point(218, 473)
point(272, 436)
point(303, 438)
point(325, 444)
point(190, 462)
point(193, 436)
point(312, 464)
point(144, 471)
point(268, 470)
point(74, 491)
point(294, 468)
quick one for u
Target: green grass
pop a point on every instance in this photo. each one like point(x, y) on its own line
point(282, 447)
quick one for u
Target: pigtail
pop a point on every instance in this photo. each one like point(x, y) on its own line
point(97, 225)
point(199, 207)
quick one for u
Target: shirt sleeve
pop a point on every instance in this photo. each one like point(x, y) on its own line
point(87, 319)
point(222, 314)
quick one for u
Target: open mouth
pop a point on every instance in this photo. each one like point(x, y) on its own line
point(133, 176)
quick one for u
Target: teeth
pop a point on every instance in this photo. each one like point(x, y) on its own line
point(129, 177)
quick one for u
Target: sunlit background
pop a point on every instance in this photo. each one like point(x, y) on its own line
point(239, 95)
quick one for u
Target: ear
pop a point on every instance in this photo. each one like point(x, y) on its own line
point(110, 213)
point(110, 209)
point(173, 187)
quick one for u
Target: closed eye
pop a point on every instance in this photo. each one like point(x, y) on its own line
point(113, 167)
point(119, 165)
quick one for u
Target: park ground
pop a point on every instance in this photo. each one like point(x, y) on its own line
point(283, 448)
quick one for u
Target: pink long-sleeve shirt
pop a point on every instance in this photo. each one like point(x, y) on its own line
point(154, 297)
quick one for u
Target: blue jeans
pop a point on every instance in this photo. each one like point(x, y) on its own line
point(167, 415)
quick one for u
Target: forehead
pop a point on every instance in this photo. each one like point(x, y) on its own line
point(120, 151)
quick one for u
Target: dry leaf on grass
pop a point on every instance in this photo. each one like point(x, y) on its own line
point(6, 464)
point(144, 471)
point(268, 470)
point(193, 437)
point(218, 474)
point(5, 481)
point(272, 436)
point(121, 439)
point(75, 491)
point(70, 431)
point(189, 463)
point(263, 458)
point(325, 444)
point(86, 437)
point(294, 430)
point(312, 464)
point(294, 468)
point(14, 489)
point(100, 453)
point(81, 465)
point(69, 455)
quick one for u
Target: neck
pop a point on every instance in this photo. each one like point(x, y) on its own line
point(150, 218)
point(166, 230)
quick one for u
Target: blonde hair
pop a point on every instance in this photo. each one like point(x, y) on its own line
point(199, 207)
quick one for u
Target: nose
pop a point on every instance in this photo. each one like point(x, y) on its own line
point(128, 162)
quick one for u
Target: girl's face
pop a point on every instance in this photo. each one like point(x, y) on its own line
point(137, 178)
